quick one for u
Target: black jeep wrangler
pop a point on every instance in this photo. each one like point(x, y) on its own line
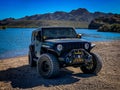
point(53, 48)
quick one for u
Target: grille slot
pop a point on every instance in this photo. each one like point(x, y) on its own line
point(70, 46)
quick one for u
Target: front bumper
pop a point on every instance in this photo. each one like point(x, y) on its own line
point(76, 56)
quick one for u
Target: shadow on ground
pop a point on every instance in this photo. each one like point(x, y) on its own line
point(27, 77)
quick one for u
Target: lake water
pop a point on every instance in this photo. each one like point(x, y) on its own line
point(15, 41)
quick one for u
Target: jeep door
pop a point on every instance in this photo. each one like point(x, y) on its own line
point(38, 44)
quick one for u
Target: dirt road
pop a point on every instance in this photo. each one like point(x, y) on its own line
point(16, 74)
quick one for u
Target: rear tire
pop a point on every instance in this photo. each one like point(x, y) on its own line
point(95, 66)
point(48, 66)
point(32, 63)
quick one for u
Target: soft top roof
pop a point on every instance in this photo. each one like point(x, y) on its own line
point(39, 29)
point(56, 27)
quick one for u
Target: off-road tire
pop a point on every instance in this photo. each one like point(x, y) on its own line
point(32, 63)
point(48, 66)
point(97, 65)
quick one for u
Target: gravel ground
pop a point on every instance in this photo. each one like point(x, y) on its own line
point(15, 73)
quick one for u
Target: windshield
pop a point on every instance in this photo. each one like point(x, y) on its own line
point(57, 33)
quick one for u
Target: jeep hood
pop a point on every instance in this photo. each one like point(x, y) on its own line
point(70, 40)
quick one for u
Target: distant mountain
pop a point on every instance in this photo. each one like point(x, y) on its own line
point(81, 14)
point(72, 18)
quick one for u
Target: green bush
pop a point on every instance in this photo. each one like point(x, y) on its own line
point(110, 28)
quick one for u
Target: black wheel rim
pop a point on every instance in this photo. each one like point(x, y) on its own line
point(91, 65)
point(45, 67)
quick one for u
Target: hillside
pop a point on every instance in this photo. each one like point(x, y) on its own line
point(79, 18)
point(81, 15)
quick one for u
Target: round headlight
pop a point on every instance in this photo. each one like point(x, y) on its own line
point(86, 45)
point(59, 47)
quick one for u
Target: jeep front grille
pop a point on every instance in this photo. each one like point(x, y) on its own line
point(69, 46)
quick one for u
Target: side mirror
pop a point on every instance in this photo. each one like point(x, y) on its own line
point(44, 38)
point(79, 35)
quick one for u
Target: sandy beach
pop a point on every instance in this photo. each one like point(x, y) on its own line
point(16, 74)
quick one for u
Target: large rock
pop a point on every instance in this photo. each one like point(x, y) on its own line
point(95, 24)
point(106, 24)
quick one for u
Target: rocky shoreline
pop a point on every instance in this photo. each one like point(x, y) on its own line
point(106, 24)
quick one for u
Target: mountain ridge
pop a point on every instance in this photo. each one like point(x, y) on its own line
point(75, 18)
point(80, 14)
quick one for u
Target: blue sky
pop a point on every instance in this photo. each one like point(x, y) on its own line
point(21, 8)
